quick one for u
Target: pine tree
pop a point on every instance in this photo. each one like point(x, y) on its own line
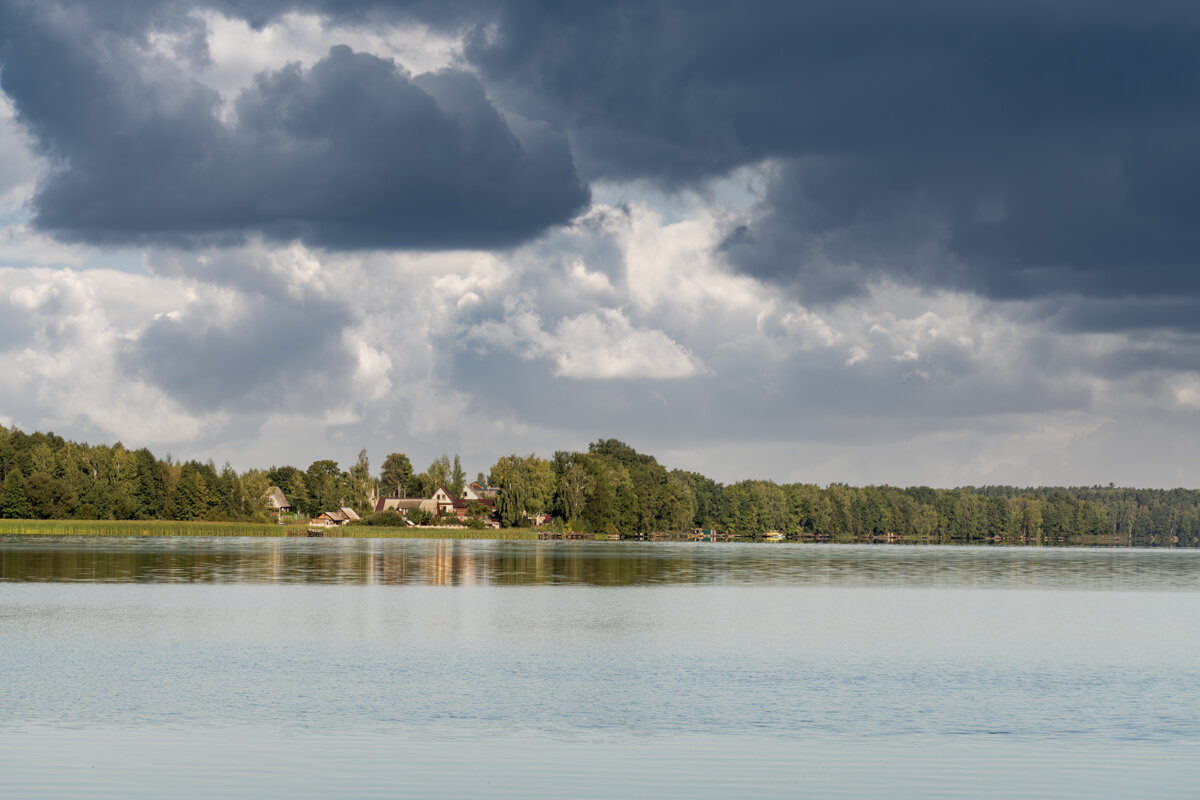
point(13, 502)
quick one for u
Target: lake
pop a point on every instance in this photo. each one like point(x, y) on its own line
point(195, 667)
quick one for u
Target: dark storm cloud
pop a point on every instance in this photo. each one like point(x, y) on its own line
point(352, 153)
point(1013, 149)
point(1018, 149)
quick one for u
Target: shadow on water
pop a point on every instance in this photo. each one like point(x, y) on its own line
point(508, 563)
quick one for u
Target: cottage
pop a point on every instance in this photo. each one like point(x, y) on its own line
point(478, 491)
point(341, 516)
point(401, 505)
point(277, 502)
point(447, 504)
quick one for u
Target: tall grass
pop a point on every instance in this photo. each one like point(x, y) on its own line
point(154, 527)
point(104, 527)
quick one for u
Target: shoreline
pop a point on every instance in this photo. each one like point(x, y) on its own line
point(183, 529)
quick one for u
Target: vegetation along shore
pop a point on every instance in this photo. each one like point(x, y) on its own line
point(54, 486)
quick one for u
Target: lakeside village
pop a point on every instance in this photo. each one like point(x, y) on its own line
point(474, 506)
point(474, 502)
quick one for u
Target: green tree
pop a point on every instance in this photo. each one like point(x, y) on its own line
point(526, 487)
point(396, 477)
point(150, 482)
point(677, 509)
point(458, 478)
point(325, 485)
point(575, 485)
point(49, 498)
point(255, 485)
point(362, 486)
point(437, 475)
point(13, 502)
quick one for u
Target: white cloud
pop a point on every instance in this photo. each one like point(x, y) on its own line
point(595, 345)
point(604, 345)
point(64, 373)
point(238, 52)
point(621, 311)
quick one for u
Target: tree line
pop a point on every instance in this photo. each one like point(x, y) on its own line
point(610, 488)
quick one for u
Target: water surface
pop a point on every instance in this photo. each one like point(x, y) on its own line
point(361, 668)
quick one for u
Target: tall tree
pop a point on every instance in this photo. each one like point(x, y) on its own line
point(575, 485)
point(49, 498)
point(325, 485)
point(437, 475)
point(526, 487)
point(13, 502)
point(361, 483)
point(396, 477)
point(458, 478)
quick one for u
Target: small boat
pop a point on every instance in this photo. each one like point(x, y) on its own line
point(772, 536)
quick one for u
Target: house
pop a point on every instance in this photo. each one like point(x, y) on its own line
point(277, 501)
point(478, 491)
point(441, 504)
point(401, 505)
point(328, 519)
point(447, 504)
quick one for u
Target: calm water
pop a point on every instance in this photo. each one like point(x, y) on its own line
point(418, 668)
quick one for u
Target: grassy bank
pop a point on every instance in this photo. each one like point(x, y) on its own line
point(153, 527)
point(104, 527)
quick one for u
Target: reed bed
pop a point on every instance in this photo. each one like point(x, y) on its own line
point(104, 527)
point(153, 527)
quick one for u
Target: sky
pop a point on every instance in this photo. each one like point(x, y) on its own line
point(868, 242)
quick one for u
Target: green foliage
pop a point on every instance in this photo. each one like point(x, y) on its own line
point(293, 484)
point(327, 486)
point(458, 478)
point(386, 519)
point(526, 487)
point(436, 476)
point(361, 485)
point(575, 485)
point(478, 510)
point(49, 497)
point(420, 516)
point(13, 502)
point(396, 477)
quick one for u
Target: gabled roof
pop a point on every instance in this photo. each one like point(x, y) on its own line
point(456, 502)
point(348, 513)
point(277, 498)
point(406, 503)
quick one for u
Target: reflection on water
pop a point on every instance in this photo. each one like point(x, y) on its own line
point(516, 563)
point(183, 667)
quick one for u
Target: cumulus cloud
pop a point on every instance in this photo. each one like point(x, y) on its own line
point(597, 345)
point(350, 153)
point(60, 338)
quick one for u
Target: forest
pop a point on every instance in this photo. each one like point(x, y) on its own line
point(611, 488)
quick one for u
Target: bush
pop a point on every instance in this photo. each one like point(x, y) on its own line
point(387, 519)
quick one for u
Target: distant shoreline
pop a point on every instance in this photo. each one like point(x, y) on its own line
point(85, 528)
